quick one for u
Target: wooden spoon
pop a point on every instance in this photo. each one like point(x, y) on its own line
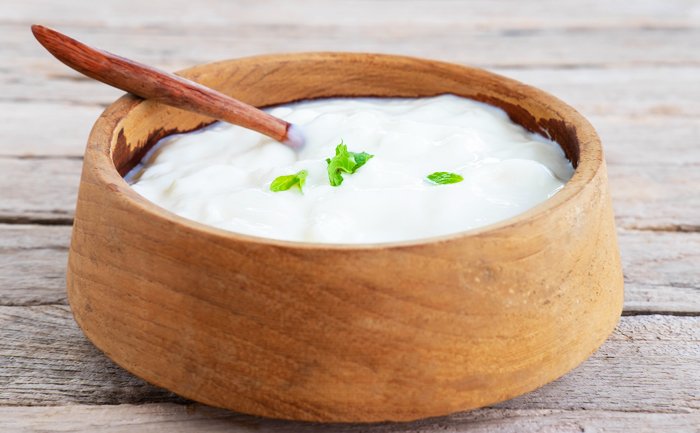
point(151, 83)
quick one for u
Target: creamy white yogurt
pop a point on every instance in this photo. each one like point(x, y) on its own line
point(221, 175)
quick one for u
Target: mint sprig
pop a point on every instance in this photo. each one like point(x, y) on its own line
point(444, 178)
point(283, 183)
point(345, 161)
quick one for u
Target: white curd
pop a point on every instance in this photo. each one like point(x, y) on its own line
point(221, 175)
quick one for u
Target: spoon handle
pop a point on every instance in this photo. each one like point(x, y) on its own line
point(151, 83)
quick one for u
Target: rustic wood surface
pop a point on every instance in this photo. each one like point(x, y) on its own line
point(632, 68)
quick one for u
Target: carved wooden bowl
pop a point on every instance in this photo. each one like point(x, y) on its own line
point(353, 333)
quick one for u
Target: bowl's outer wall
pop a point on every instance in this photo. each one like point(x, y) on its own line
point(343, 334)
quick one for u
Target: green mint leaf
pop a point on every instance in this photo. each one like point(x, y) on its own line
point(345, 161)
point(283, 183)
point(360, 159)
point(334, 177)
point(444, 178)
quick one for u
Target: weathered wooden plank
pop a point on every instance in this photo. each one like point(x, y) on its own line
point(44, 189)
point(630, 92)
point(514, 47)
point(33, 264)
point(173, 48)
point(660, 198)
point(175, 418)
point(656, 197)
point(544, 14)
point(639, 93)
point(46, 360)
point(649, 364)
point(649, 141)
point(661, 271)
point(641, 120)
point(45, 129)
point(635, 367)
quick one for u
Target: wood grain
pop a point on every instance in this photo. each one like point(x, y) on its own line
point(46, 360)
point(589, 90)
point(33, 264)
point(503, 14)
point(58, 366)
point(661, 272)
point(663, 45)
point(656, 198)
point(39, 189)
point(298, 333)
point(64, 135)
point(649, 141)
point(172, 418)
point(637, 91)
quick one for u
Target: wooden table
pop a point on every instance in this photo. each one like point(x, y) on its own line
point(633, 68)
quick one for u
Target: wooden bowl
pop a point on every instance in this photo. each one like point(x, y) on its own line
point(353, 333)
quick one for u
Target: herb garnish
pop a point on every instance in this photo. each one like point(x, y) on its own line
point(283, 183)
point(444, 178)
point(345, 161)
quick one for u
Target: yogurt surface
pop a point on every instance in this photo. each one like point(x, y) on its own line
point(221, 175)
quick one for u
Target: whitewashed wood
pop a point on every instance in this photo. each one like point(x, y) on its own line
point(661, 271)
point(47, 361)
point(661, 268)
point(43, 189)
point(33, 264)
point(544, 14)
point(174, 418)
point(648, 364)
point(514, 47)
point(631, 91)
point(649, 141)
point(656, 197)
point(631, 88)
point(635, 92)
point(59, 128)
point(650, 122)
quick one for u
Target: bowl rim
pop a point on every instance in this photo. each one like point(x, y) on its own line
point(98, 151)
